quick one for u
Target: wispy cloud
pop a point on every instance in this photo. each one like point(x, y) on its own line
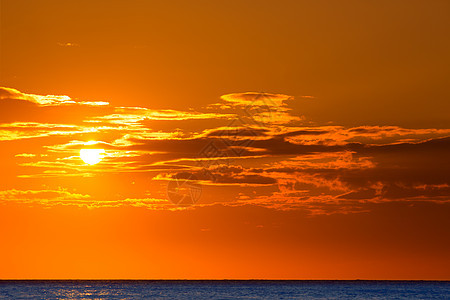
point(254, 144)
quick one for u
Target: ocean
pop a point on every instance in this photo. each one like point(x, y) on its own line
point(222, 289)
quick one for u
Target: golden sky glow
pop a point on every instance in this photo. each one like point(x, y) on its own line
point(238, 139)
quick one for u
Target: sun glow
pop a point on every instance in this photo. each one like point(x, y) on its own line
point(92, 156)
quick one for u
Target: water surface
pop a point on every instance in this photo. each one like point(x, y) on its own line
point(223, 289)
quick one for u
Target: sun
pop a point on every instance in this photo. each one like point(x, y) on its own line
point(92, 156)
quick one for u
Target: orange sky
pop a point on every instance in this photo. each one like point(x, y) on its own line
point(312, 137)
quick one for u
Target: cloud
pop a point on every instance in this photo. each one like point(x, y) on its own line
point(44, 195)
point(26, 130)
point(48, 100)
point(68, 44)
point(261, 109)
point(223, 175)
point(257, 99)
point(49, 198)
point(252, 147)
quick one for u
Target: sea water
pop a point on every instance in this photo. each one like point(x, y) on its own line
point(223, 289)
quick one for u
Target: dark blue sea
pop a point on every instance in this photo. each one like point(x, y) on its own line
point(223, 289)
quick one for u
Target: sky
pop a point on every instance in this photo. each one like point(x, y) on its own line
point(224, 139)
